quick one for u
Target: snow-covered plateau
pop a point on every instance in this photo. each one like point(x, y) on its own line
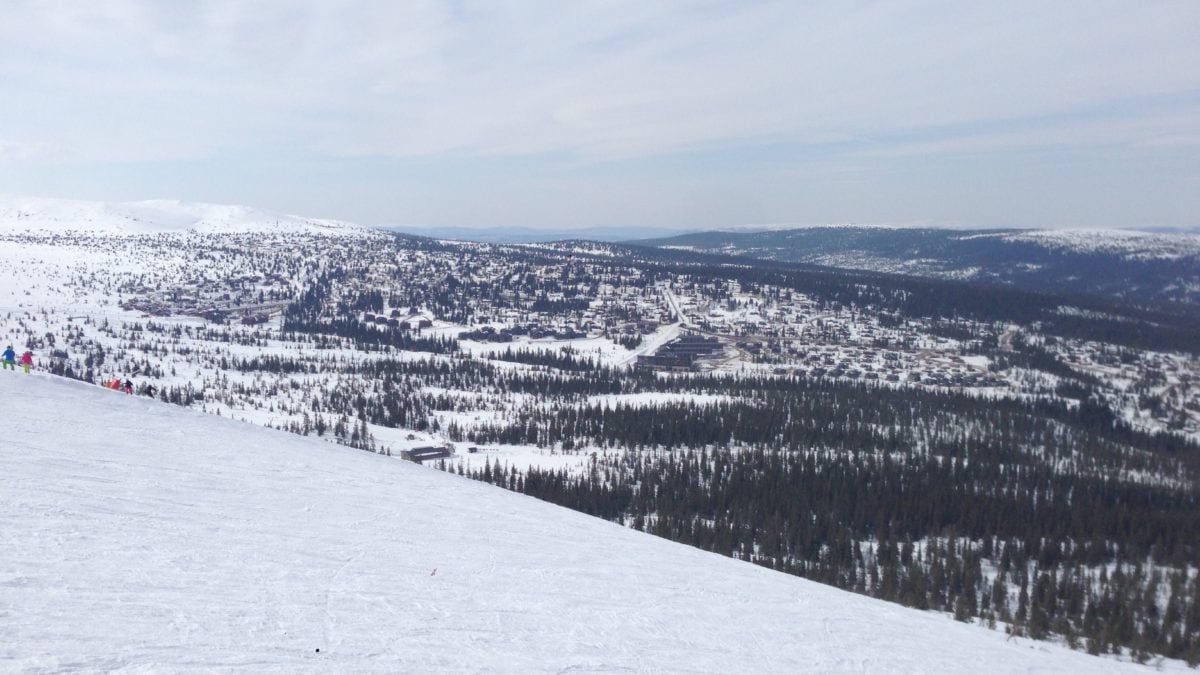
point(43, 215)
point(143, 537)
point(1130, 265)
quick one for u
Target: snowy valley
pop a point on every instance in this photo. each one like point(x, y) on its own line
point(1022, 461)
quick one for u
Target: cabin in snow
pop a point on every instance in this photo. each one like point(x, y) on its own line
point(425, 453)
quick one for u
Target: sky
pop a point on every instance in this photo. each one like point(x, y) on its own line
point(622, 113)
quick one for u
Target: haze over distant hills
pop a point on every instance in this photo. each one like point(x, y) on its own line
point(530, 235)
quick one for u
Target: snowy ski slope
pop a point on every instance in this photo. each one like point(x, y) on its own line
point(143, 537)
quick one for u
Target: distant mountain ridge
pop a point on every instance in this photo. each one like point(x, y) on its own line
point(1131, 265)
point(44, 215)
point(1134, 266)
point(531, 235)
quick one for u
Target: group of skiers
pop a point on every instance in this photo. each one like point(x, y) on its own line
point(127, 386)
point(116, 385)
point(10, 360)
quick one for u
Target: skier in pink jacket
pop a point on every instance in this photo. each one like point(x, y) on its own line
point(27, 361)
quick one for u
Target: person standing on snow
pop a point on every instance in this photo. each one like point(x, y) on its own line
point(9, 357)
point(129, 386)
point(27, 361)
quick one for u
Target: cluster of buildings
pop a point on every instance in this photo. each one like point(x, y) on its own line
point(681, 354)
point(248, 299)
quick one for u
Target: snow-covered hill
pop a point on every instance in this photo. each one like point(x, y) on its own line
point(40, 216)
point(144, 537)
point(1127, 243)
point(1125, 264)
point(1131, 244)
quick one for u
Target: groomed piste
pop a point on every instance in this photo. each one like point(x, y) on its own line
point(139, 536)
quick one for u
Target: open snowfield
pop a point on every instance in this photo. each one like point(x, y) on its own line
point(34, 214)
point(143, 537)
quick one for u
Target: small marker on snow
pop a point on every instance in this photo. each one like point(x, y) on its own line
point(318, 650)
point(433, 572)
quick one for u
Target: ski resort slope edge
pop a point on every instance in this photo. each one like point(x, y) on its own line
point(143, 537)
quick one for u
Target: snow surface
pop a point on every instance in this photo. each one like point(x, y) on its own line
point(44, 216)
point(143, 537)
point(1127, 243)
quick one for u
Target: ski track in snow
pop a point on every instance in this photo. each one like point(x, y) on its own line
point(147, 538)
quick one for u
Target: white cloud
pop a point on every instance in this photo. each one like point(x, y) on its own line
point(20, 151)
point(611, 111)
point(1175, 129)
point(133, 79)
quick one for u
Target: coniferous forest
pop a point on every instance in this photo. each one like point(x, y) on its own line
point(1007, 513)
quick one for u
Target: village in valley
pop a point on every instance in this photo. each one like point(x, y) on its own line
point(198, 323)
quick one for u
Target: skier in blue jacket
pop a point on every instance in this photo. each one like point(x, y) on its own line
point(10, 358)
